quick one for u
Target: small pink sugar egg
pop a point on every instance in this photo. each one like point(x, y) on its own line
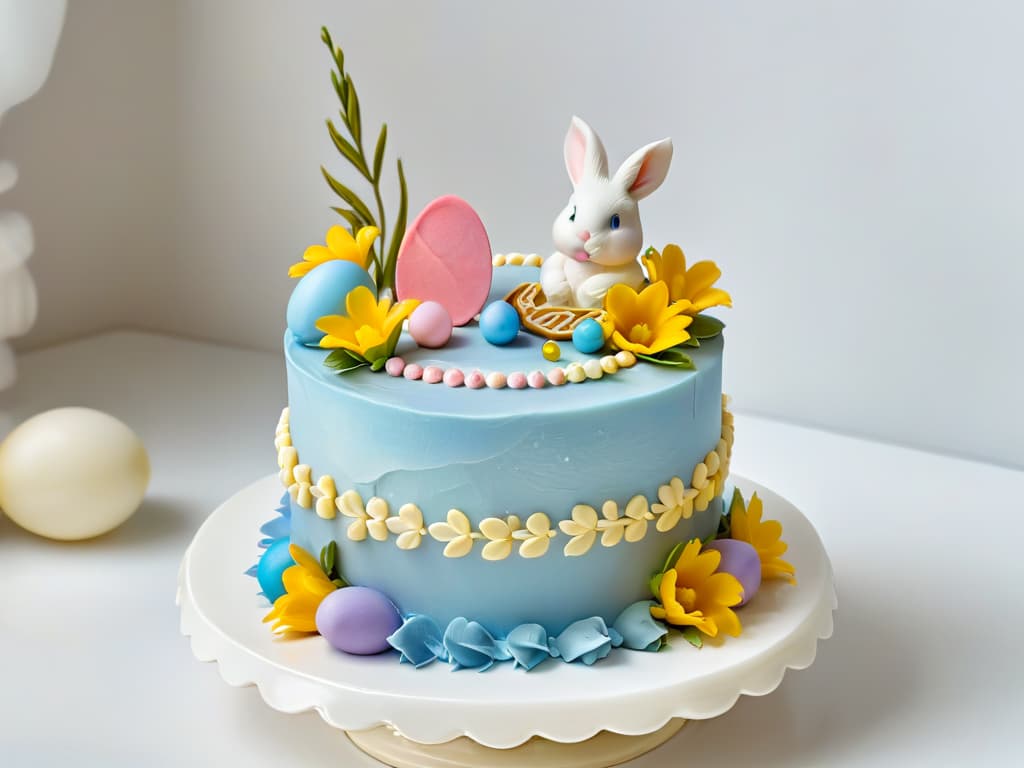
point(454, 377)
point(517, 380)
point(432, 374)
point(413, 371)
point(556, 376)
point(476, 380)
point(394, 366)
point(536, 380)
point(430, 325)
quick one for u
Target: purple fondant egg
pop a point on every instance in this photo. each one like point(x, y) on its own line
point(357, 620)
point(741, 560)
point(430, 325)
point(445, 257)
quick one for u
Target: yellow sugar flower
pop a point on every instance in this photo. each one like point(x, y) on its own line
point(371, 329)
point(764, 536)
point(340, 245)
point(644, 323)
point(694, 595)
point(693, 285)
point(305, 585)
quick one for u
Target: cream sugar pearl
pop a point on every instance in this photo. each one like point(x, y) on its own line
point(72, 473)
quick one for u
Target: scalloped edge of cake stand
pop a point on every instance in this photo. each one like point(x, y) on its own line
point(503, 717)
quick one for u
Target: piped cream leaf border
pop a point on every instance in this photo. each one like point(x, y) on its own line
point(677, 500)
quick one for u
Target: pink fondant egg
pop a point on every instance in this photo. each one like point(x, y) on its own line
point(446, 257)
point(430, 325)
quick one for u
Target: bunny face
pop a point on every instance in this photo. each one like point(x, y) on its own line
point(601, 222)
point(599, 225)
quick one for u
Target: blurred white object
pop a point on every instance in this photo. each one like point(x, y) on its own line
point(28, 39)
point(72, 473)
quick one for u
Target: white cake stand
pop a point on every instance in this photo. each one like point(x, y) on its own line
point(564, 715)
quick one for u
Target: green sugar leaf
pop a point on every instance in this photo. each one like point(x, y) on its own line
point(673, 556)
point(351, 153)
point(350, 216)
point(691, 342)
point(399, 232)
point(341, 361)
point(673, 357)
point(354, 120)
point(655, 586)
point(705, 327)
point(378, 153)
point(693, 637)
point(340, 91)
point(349, 197)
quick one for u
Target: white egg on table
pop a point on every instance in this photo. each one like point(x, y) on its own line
point(72, 473)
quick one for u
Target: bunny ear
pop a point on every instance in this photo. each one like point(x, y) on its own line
point(584, 153)
point(645, 169)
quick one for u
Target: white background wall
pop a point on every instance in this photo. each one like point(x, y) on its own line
point(855, 168)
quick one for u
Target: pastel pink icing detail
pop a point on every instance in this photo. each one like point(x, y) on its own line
point(394, 366)
point(454, 377)
point(556, 376)
point(581, 256)
point(496, 380)
point(517, 380)
point(476, 380)
point(432, 374)
point(536, 380)
point(412, 371)
point(446, 257)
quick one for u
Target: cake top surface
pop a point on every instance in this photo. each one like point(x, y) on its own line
point(468, 351)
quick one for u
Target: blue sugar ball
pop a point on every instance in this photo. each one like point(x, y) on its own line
point(322, 292)
point(499, 323)
point(588, 336)
point(271, 569)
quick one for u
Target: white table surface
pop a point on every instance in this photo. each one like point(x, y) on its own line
point(924, 667)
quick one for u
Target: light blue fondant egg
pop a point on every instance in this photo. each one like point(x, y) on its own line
point(499, 323)
point(322, 292)
point(357, 620)
point(741, 560)
point(271, 569)
point(588, 336)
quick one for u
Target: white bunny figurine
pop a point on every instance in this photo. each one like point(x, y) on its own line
point(598, 234)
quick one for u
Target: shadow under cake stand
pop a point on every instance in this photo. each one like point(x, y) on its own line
point(564, 715)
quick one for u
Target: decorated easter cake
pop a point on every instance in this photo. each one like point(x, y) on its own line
point(506, 458)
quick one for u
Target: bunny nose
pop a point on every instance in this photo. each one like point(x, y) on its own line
point(584, 235)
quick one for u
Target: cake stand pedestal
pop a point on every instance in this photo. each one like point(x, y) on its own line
point(558, 715)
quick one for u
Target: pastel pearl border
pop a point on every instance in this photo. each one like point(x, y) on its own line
point(677, 500)
point(517, 260)
point(576, 373)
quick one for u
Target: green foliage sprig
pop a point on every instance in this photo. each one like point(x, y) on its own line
point(331, 566)
point(357, 213)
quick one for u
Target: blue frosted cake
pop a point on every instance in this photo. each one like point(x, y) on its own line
point(507, 458)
